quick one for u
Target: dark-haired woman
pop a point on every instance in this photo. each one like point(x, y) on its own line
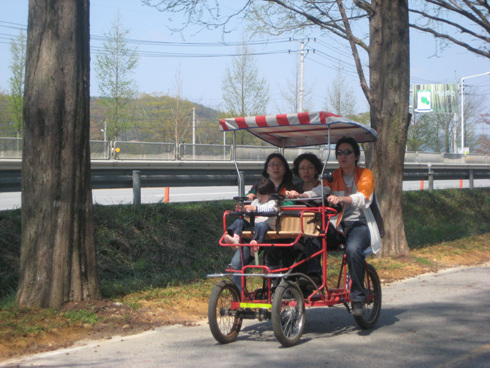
point(308, 167)
point(276, 169)
point(353, 188)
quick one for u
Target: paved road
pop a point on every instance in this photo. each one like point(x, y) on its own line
point(154, 195)
point(435, 320)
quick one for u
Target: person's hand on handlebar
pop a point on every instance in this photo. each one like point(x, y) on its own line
point(249, 208)
point(335, 200)
point(292, 194)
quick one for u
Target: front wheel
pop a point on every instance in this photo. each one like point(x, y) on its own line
point(373, 300)
point(288, 313)
point(223, 321)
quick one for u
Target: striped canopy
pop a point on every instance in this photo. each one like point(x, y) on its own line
point(300, 129)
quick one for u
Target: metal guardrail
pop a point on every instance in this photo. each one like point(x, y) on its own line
point(107, 174)
point(165, 165)
point(11, 148)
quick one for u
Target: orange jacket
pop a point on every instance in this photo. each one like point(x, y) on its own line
point(364, 181)
point(362, 199)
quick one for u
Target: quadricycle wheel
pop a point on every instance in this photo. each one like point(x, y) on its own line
point(373, 301)
point(288, 313)
point(223, 321)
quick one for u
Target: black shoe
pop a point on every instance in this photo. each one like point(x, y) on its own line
point(358, 308)
point(317, 278)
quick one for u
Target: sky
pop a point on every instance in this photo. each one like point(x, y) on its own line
point(164, 56)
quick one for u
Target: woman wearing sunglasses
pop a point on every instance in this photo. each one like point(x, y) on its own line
point(353, 189)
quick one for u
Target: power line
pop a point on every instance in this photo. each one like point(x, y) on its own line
point(196, 44)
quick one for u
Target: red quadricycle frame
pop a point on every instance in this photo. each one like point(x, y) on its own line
point(256, 291)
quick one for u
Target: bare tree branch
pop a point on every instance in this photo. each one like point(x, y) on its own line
point(463, 19)
point(481, 19)
point(452, 39)
point(453, 24)
point(355, 53)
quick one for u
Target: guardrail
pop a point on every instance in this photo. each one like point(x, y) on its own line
point(122, 164)
point(11, 148)
point(107, 174)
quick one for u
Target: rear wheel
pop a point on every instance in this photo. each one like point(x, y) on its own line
point(373, 300)
point(288, 313)
point(223, 321)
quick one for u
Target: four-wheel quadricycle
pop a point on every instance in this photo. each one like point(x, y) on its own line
point(282, 294)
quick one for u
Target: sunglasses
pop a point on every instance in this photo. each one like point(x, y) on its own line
point(346, 152)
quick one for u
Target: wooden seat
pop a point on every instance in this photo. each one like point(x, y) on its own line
point(290, 227)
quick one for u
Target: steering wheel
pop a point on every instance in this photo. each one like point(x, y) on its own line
point(278, 197)
point(337, 208)
point(240, 199)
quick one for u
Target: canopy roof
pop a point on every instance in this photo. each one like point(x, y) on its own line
point(300, 129)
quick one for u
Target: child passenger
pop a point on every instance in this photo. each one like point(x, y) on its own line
point(262, 203)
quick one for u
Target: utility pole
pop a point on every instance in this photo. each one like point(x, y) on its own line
point(193, 132)
point(302, 62)
point(301, 90)
point(455, 144)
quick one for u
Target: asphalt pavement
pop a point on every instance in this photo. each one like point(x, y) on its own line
point(434, 320)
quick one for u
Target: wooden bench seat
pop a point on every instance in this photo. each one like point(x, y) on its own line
point(290, 227)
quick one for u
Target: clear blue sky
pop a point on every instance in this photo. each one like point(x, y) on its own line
point(201, 77)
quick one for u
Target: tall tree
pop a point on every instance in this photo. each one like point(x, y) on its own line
point(181, 113)
point(483, 145)
point(437, 132)
point(245, 93)
point(7, 128)
point(340, 96)
point(422, 133)
point(388, 51)
point(387, 91)
point(16, 81)
point(114, 67)
point(58, 254)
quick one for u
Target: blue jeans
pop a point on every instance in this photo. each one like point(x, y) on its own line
point(237, 227)
point(240, 225)
point(358, 240)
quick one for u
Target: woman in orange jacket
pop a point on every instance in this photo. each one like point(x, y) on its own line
point(353, 189)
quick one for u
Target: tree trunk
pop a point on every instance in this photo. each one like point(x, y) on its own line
point(389, 92)
point(58, 254)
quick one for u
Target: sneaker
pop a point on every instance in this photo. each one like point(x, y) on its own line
point(358, 308)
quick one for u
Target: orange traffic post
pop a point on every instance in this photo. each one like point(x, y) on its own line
point(167, 192)
point(421, 185)
point(460, 183)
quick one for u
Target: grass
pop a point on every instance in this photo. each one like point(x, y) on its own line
point(20, 322)
point(160, 254)
point(168, 244)
point(158, 245)
point(444, 215)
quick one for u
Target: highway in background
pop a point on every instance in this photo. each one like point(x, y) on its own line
point(12, 200)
